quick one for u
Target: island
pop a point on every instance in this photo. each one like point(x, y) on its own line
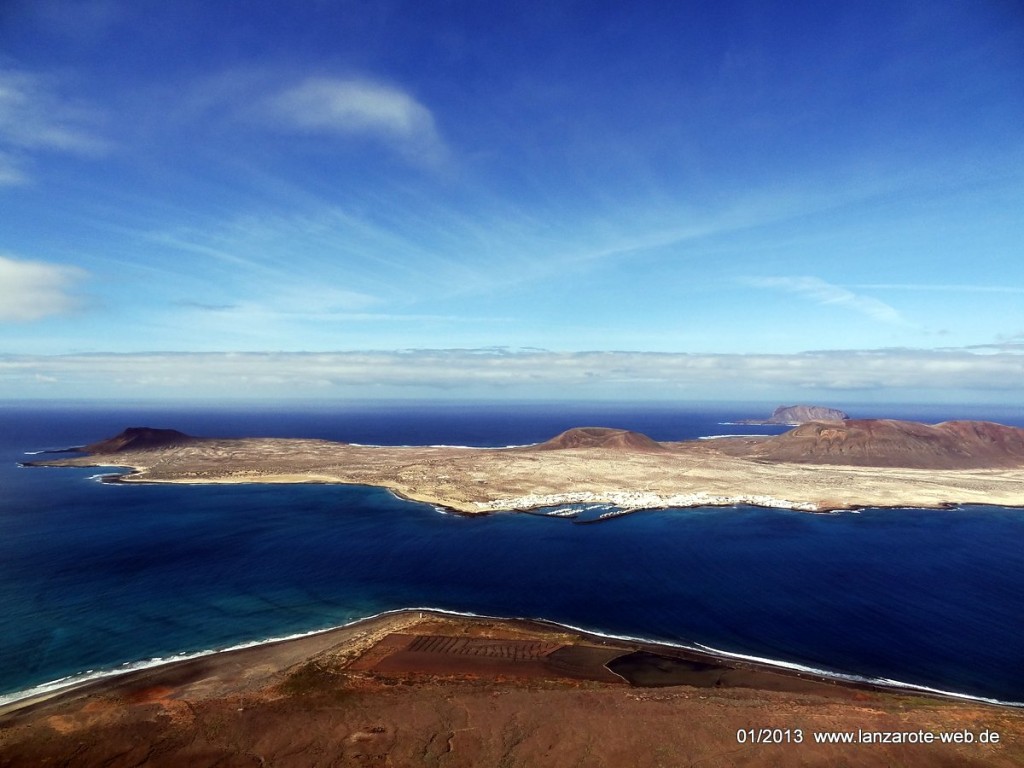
point(818, 466)
point(792, 415)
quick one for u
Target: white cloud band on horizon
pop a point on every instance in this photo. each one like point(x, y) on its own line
point(502, 373)
point(32, 290)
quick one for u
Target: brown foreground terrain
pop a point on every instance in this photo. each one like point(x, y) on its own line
point(818, 466)
point(425, 689)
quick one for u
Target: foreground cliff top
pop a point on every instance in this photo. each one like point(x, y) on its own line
point(417, 688)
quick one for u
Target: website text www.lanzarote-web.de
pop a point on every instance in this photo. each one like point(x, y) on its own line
point(797, 736)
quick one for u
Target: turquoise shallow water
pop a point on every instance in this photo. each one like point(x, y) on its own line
point(93, 576)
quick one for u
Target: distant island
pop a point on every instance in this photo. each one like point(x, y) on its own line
point(792, 415)
point(816, 467)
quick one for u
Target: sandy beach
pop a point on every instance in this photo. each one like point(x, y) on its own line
point(420, 688)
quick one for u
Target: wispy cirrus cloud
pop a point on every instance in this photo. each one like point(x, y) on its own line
point(359, 107)
point(32, 290)
point(302, 302)
point(12, 170)
point(1013, 342)
point(942, 288)
point(35, 116)
point(81, 20)
point(821, 292)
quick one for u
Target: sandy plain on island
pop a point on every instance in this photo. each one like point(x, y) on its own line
point(480, 480)
point(427, 689)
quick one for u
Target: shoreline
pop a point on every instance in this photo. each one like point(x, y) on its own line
point(621, 502)
point(98, 680)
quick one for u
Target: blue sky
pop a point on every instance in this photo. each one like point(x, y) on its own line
point(466, 199)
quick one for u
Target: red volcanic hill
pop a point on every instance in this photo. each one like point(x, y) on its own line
point(601, 437)
point(141, 439)
point(891, 443)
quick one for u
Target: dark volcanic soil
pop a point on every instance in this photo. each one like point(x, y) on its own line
point(141, 439)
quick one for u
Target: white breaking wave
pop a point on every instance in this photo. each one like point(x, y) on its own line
point(719, 437)
point(879, 681)
point(72, 681)
point(459, 447)
point(634, 500)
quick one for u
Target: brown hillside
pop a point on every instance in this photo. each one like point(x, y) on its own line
point(891, 443)
point(601, 437)
point(140, 439)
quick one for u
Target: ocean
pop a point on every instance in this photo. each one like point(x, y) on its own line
point(97, 577)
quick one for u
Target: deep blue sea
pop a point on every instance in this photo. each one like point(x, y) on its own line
point(94, 577)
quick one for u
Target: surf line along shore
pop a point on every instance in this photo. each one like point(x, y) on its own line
point(815, 467)
point(424, 687)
